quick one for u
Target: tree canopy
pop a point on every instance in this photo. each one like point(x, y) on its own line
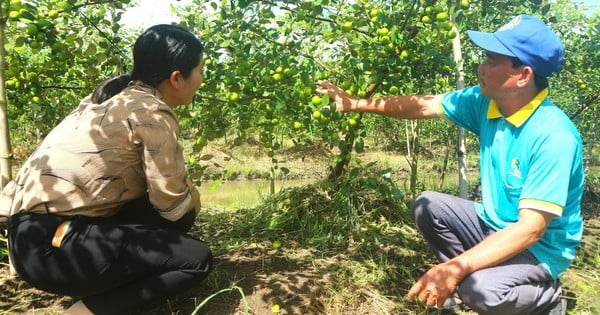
point(263, 60)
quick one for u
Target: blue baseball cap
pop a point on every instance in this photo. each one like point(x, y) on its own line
point(529, 39)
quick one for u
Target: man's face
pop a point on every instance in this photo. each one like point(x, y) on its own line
point(497, 75)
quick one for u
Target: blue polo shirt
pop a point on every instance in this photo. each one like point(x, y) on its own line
point(532, 159)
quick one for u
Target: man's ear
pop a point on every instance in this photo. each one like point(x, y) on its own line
point(526, 76)
point(176, 79)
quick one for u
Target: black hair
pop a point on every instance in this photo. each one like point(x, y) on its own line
point(159, 51)
point(540, 82)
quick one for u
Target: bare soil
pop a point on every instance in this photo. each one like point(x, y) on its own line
point(296, 280)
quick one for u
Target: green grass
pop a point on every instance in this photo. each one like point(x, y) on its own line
point(3, 249)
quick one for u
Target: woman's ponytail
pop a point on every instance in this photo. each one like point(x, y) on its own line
point(110, 88)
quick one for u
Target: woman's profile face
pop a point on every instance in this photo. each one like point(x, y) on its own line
point(192, 83)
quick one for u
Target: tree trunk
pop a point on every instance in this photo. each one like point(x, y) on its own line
point(5, 151)
point(412, 145)
point(445, 166)
point(460, 84)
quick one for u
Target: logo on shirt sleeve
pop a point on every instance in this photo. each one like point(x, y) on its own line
point(514, 168)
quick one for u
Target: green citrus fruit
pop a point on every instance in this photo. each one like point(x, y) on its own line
point(14, 15)
point(383, 31)
point(234, 96)
point(442, 16)
point(53, 14)
point(446, 25)
point(31, 29)
point(201, 141)
point(316, 100)
point(347, 26)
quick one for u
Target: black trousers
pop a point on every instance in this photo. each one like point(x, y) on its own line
point(114, 264)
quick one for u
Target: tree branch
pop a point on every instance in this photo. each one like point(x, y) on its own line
point(589, 101)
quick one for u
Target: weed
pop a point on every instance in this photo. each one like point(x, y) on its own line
point(210, 297)
point(327, 215)
point(3, 249)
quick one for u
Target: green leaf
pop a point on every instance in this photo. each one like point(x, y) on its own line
point(215, 185)
point(397, 193)
point(27, 15)
point(343, 146)
point(206, 157)
point(545, 9)
point(359, 145)
point(226, 43)
point(371, 182)
point(20, 41)
point(354, 172)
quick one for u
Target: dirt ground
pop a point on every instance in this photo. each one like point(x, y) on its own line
point(282, 281)
point(288, 280)
point(273, 281)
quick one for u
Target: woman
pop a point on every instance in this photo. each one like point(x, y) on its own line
point(100, 211)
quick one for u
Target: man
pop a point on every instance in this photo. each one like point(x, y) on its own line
point(505, 254)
